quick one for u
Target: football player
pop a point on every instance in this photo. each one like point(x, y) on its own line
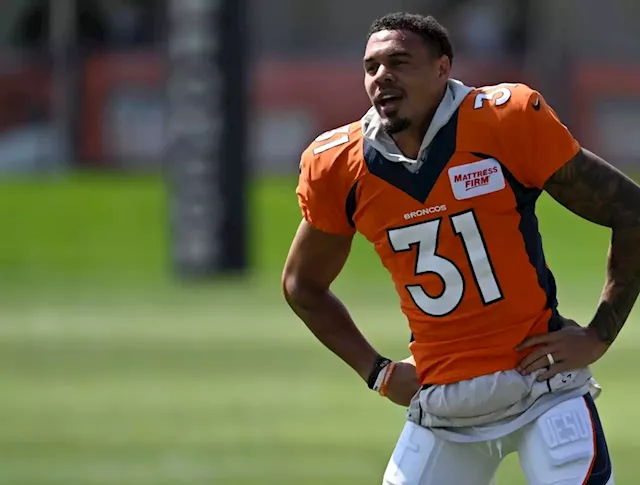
point(442, 179)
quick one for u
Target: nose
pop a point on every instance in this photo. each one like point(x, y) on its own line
point(383, 75)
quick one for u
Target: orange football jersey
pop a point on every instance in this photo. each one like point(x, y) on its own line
point(460, 236)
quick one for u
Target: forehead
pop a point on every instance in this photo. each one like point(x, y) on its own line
point(387, 42)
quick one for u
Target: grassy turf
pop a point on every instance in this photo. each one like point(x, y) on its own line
point(115, 374)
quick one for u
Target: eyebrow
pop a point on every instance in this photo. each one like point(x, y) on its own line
point(393, 55)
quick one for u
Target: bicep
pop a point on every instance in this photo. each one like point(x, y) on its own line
point(596, 191)
point(315, 258)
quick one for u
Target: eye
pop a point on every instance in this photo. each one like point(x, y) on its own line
point(371, 69)
point(397, 62)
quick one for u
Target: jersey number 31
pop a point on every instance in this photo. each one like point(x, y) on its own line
point(424, 236)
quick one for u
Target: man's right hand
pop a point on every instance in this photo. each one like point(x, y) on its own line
point(404, 383)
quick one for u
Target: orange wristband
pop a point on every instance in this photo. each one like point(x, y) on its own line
point(387, 378)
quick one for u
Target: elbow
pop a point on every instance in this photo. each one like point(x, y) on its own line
point(628, 228)
point(297, 292)
point(291, 288)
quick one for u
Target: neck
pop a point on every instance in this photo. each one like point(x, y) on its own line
point(409, 141)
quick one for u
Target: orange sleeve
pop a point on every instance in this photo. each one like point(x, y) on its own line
point(536, 143)
point(322, 196)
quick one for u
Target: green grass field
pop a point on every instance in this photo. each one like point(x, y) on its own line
point(112, 373)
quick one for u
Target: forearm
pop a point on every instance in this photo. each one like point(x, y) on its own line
point(328, 319)
point(591, 188)
point(622, 285)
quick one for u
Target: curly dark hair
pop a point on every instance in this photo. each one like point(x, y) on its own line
point(432, 32)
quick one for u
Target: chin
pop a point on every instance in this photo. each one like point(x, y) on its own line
point(393, 126)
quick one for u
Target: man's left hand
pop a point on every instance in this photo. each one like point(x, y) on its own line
point(571, 348)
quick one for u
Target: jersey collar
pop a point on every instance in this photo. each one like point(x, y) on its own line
point(373, 132)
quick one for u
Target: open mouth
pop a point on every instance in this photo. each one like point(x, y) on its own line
point(389, 101)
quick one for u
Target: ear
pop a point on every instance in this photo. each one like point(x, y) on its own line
point(444, 66)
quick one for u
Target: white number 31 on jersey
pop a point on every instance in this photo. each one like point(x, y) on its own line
point(501, 93)
point(424, 237)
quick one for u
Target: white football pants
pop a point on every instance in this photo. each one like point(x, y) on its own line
point(564, 446)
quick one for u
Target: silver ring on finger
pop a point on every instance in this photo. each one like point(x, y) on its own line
point(551, 359)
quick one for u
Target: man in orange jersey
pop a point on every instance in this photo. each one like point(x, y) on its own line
point(442, 179)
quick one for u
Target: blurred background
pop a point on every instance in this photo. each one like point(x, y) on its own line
point(148, 162)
